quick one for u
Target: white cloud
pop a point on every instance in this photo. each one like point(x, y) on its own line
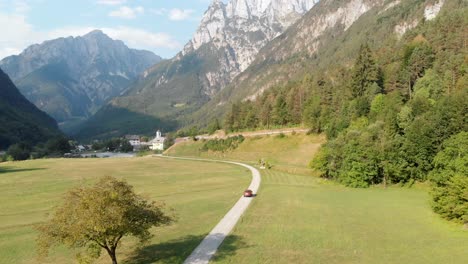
point(111, 2)
point(180, 14)
point(142, 39)
point(132, 37)
point(21, 7)
point(159, 11)
point(20, 34)
point(16, 36)
point(127, 12)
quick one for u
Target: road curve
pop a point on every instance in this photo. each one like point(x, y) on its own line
point(208, 247)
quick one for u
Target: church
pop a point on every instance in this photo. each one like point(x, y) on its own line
point(158, 142)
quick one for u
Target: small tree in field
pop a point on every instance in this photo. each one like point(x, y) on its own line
point(98, 217)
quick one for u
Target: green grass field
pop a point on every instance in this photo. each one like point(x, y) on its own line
point(199, 192)
point(299, 218)
point(290, 154)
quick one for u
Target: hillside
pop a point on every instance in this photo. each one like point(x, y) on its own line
point(226, 42)
point(324, 44)
point(20, 119)
point(389, 92)
point(71, 78)
point(288, 153)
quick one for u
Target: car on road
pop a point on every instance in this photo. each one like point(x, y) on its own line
point(248, 193)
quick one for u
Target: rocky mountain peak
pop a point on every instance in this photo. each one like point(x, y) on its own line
point(239, 29)
point(268, 16)
point(273, 9)
point(82, 73)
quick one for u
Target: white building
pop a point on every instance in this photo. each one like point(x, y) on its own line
point(158, 142)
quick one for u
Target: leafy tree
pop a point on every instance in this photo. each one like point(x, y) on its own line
point(430, 86)
point(377, 105)
point(98, 217)
point(450, 179)
point(19, 151)
point(125, 146)
point(170, 140)
point(59, 145)
point(418, 57)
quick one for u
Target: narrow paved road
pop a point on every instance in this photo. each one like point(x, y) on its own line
point(208, 247)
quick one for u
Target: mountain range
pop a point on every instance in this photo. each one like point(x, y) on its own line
point(225, 44)
point(241, 50)
point(244, 48)
point(71, 78)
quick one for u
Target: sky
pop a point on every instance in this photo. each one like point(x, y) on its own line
point(161, 26)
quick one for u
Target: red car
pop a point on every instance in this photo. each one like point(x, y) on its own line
point(248, 193)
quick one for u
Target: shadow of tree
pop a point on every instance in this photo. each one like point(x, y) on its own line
point(229, 247)
point(13, 169)
point(176, 251)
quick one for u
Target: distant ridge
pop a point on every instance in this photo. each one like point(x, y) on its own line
point(71, 78)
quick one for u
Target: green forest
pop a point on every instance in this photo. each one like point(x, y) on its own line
point(399, 114)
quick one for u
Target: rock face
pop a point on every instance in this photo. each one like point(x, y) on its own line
point(324, 39)
point(243, 27)
point(225, 44)
point(70, 78)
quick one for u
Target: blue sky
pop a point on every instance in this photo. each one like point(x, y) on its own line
point(162, 26)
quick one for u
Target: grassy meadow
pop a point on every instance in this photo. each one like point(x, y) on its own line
point(199, 192)
point(291, 153)
point(299, 218)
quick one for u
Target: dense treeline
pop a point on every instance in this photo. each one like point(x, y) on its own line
point(388, 116)
point(23, 150)
point(113, 144)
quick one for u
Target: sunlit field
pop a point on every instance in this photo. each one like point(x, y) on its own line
point(199, 192)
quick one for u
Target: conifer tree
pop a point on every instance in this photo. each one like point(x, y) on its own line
point(365, 72)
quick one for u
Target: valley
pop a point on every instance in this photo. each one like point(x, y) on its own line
point(264, 132)
point(295, 217)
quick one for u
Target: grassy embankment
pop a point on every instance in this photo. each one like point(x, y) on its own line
point(200, 193)
point(299, 218)
point(291, 153)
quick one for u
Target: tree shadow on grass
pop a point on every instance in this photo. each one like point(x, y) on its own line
point(13, 169)
point(176, 251)
point(229, 247)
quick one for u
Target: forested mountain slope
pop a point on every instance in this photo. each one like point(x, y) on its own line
point(390, 93)
point(20, 120)
point(326, 40)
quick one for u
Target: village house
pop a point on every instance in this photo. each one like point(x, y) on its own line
point(134, 140)
point(158, 142)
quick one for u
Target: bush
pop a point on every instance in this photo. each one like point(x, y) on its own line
point(281, 135)
point(221, 145)
point(19, 151)
point(58, 146)
point(450, 179)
